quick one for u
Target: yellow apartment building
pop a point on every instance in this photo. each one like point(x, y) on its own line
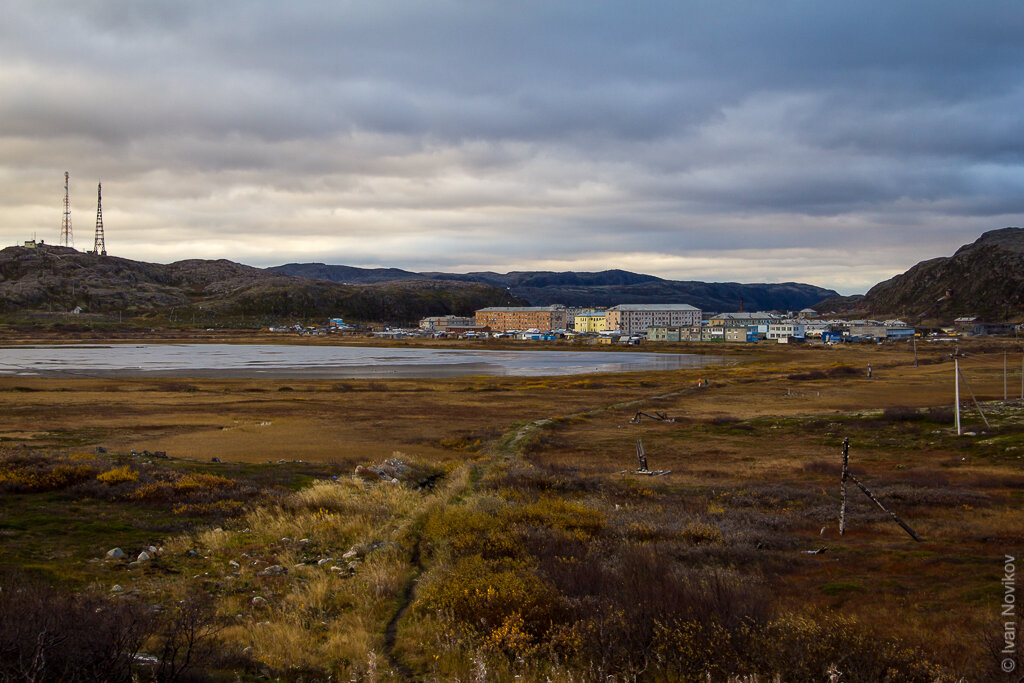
point(590, 322)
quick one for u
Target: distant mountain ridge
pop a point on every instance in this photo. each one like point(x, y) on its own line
point(604, 288)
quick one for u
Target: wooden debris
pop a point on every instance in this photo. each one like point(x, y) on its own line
point(661, 417)
point(641, 457)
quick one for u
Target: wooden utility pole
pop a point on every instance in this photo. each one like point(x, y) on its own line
point(976, 404)
point(915, 350)
point(1005, 396)
point(846, 472)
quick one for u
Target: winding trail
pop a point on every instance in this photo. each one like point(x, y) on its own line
point(505, 448)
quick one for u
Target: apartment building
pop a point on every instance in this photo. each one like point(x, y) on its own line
point(786, 329)
point(634, 319)
point(506, 318)
point(442, 323)
point(742, 319)
point(590, 322)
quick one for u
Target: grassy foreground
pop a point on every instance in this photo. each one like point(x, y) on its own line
point(519, 546)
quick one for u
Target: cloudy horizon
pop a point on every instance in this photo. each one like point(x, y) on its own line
point(836, 144)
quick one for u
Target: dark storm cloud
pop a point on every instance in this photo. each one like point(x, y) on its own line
point(581, 134)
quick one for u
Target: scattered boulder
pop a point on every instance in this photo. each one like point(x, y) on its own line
point(101, 450)
point(274, 570)
point(321, 562)
point(116, 588)
point(234, 564)
point(214, 459)
point(259, 601)
point(191, 553)
point(144, 557)
point(397, 471)
point(115, 553)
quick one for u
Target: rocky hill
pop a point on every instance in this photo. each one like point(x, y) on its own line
point(51, 278)
point(984, 279)
point(605, 288)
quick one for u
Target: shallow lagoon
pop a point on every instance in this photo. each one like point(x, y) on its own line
point(245, 361)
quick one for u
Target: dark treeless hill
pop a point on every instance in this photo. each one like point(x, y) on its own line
point(50, 278)
point(605, 288)
point(984, 279)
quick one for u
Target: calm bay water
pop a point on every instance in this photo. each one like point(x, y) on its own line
point(320, 362)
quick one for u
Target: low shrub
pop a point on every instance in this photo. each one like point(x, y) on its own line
point(810, 375)
point(696, 533)
point(479, 596)
point(118, 475)
point(901, 414)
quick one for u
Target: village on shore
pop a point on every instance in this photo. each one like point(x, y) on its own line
point(632, 324)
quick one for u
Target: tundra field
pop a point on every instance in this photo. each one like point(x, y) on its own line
point(518, 543)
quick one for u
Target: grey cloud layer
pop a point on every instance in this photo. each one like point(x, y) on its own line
point(477, 134)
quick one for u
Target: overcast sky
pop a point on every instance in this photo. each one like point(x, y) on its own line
point(835, 143)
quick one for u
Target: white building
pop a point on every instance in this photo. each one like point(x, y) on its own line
point(786, 329)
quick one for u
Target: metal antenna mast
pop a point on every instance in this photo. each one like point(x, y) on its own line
point(66, 239)
point(99, 246)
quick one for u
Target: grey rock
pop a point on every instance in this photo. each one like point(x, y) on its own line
point(115, 553)
point(274, 570)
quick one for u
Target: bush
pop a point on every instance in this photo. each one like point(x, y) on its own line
point(38, 473)
point(118, 475)
point(46, 635)
point(480, 597)
point(901, 414)
point(803, 376)
point(941, 415)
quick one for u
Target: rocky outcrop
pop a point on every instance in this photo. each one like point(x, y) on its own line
point(984, 279)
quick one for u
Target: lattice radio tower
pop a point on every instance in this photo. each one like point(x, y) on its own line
point(66, 239)
point(99, 246)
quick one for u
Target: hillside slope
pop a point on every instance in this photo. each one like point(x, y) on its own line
point(983, 279)
point(50, 278)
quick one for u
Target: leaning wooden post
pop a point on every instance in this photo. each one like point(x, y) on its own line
point(956, 394)
point(846, 472)
point(641, 456)
point(973, 398)
point(884, 509)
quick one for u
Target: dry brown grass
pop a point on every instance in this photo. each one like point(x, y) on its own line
point(554, 522)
